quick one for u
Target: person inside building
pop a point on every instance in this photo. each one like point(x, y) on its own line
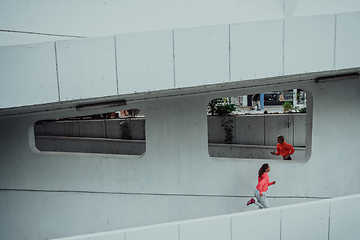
point(256, 101)
point(284, 149)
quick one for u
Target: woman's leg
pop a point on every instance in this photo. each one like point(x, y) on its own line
point(258, 105)
point(262, 201)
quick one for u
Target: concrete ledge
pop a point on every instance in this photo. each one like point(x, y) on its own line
point(90, 145)
point(250, 151)
point(312, 220)
point(138, 147)
point(246, 225)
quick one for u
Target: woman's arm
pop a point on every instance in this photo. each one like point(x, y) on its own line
point(292, 150)
point(277, 153)
point(265, 179)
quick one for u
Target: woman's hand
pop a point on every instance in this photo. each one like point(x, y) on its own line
point(261, 194)
point(286, 156)
point(273, 153)
point(273, 182)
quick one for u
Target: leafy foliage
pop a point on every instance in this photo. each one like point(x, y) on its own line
point(212, 104)
point(224, 110)
point(288, 107)
point(217, 108)
point(227, 123)
point(302, 110)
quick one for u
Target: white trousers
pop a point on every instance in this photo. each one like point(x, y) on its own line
point(261, 201)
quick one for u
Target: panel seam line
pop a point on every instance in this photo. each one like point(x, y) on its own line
point(334, 62)
point(229, 54)
point(159, 194)
point(173, 45)
point(116, 67)
point(57, 72)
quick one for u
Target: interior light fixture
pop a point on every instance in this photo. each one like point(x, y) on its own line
point(336, 77)
point(100, 105)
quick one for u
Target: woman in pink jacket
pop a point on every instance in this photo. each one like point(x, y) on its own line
point(262, 187)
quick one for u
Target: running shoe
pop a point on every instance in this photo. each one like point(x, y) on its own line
point(251, 201)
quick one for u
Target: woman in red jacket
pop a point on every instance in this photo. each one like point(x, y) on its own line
point(262, 187)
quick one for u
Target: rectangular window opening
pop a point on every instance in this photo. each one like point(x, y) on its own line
point(247, 126)
point(119, 132)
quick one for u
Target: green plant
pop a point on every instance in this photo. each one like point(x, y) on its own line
point(288, 107)
point(300, 96)
point(302, 110)
point(212, 104)
point(224, 110)
point(126, 132)
point(215, 107)
point(227, 123)
point(288, 122)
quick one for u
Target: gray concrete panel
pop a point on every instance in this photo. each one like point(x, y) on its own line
point(28, 75)
point(138, 71)
point(201, 56)
point(305, 221)
point(160, 233)
point(250, 130)
point(138, 129)
point(344, 221)
point(40, 128)
point(248, 224)
point(94, 128)
point(347, 40)
point(86, 68)
point(211, 229)
point(309, 54)
point(276, 125)
point(217, 133)
point(299, 127)
point(112, 128)
point(256, 45)
point(66, 128)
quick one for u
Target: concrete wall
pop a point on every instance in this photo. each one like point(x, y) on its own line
point(108, 67)
point(90, 145)
point(326, 219)
point(52, 195)
point(107, 128)
point(138, 147)
point(46, 195)
point(251, 151)
point(247, 129)
point(72, 19)
point(260, 129)
point(249, 136)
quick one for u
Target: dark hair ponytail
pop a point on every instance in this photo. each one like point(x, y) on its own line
point(263, 169)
